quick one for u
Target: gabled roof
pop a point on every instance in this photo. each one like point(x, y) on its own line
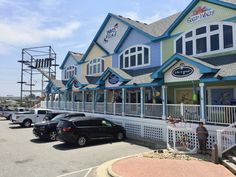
point(123, 76)
point(76, 56)
point(57, 84)
point(225, 3)
point(203, 66)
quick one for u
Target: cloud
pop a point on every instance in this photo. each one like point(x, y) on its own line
point(135, 15)
point(27, 27)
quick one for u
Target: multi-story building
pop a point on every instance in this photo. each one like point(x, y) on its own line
point(138, 74)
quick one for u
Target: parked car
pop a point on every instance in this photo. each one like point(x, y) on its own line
point(81, 130)
point(25, 119)
point(48, 129)
point(7, 113)
point(50, 115)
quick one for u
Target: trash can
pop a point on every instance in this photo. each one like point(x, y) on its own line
point(214, 154)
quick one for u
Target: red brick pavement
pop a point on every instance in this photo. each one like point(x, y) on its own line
point(153, 167)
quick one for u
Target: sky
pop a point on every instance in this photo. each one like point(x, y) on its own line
point(66, 25)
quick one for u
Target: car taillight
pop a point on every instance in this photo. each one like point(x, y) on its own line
point(67, 129)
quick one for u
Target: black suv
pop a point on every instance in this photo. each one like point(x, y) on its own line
point(50, 115)
point(47, 129)
point(81, 130)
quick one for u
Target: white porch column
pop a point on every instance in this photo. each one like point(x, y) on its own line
point(47, 100)
point(65, 100)
point(94, 101)
point(142, 102)
point(202, 102)
point(72, 100)
point(83, 101)
point(164, 101)
point(59, 100)
point(105, 101)
point(123, 101)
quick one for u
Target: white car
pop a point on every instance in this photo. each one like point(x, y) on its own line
point(25, 119)
point(7, 113)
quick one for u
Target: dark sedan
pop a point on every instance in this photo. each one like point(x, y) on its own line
point(47, 129)
point(81, 130)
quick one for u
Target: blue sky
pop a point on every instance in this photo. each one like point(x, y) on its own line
point(63, 24)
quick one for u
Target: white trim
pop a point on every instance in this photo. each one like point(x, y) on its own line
point(208, 34)
point(136, 54)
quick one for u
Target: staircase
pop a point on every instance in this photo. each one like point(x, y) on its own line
point(226, 142)
point(229, 160)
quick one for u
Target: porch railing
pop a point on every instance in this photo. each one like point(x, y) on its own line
point(132, 109)
point(226, 139)
point(78, 106)
point(221, 114)
point(99, 107)
point(215, 114)
point(88, 107)
point(186, 111)
point(153, 110)
point(114, 108)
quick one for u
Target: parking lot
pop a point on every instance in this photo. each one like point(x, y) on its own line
point(23, 155)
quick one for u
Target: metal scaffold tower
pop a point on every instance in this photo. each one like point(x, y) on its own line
point(38, 65)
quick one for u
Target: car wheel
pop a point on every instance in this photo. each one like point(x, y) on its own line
point(53, 136)
point(120, 136)
point(9, 117)
point(82, 141)
point(27, 123)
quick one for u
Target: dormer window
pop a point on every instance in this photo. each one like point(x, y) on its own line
point(95, 66)
point(135, 56)
point(209, 39)
point(70, 71)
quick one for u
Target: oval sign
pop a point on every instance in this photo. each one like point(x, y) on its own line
point(76, 84)
point(113, 79)
point(182, 71)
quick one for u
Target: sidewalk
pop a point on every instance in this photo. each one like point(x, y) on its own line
point(140, 166)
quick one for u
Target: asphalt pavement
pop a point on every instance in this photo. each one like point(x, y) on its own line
point(23, 155)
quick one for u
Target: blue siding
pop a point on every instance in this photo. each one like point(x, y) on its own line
point(135, 38)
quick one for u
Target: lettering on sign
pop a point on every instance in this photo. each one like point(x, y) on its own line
point(200, 13)
point(182, 71)
point(113, 79)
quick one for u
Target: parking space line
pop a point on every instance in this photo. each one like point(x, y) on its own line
point(74, 172)
point(88, 172)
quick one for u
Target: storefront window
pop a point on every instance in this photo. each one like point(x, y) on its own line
point(213, 38)
point(135, 56)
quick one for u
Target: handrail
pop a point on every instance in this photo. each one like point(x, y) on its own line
point(226, 138)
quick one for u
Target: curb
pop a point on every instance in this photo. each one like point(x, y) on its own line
point(105, 169)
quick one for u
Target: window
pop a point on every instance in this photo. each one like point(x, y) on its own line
point(135, 56)
point(70, 71)
point(210, 39)
point(95, 66)
point(228, 36)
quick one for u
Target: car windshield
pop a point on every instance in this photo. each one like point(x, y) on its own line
point(57, 118)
